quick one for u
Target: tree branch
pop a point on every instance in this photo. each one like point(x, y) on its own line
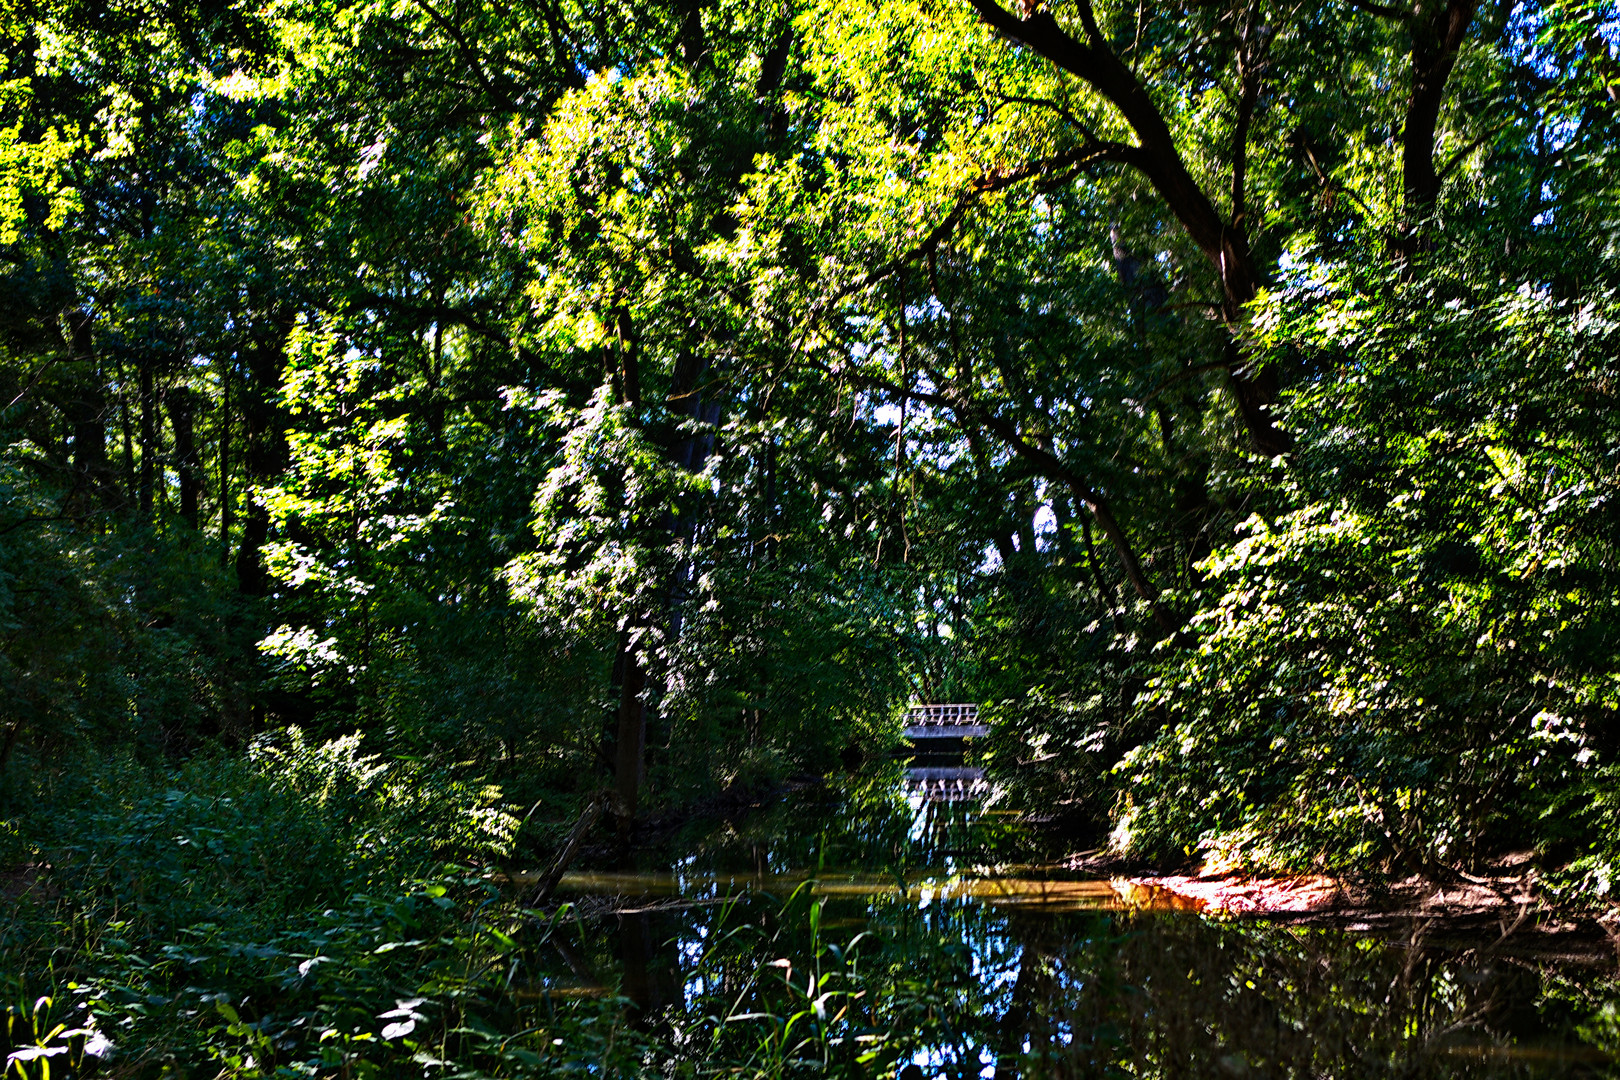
point(1468, 148)
point(1159, 160)
point(1157, 156)
point(985, 184)
point(470, 54)
point(1048, 464)
point(1383, 11)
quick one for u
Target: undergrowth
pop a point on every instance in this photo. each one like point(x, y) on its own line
point(308, 909)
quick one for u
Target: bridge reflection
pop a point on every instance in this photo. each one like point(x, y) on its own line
point(946, 783)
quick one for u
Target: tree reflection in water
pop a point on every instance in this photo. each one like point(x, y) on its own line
point(882, 938)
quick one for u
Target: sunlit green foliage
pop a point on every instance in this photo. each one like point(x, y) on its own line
point(1415, 660)
point(556, 397)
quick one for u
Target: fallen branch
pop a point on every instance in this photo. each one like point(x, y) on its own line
point(570, 848)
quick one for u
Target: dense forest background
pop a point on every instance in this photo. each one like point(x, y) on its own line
point(422, 415)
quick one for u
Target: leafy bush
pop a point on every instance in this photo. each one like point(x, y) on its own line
point(1414, 664)
point(256, 910)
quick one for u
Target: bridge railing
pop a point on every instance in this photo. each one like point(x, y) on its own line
point(944, 722)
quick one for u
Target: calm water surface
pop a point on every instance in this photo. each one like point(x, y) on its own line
point(867, 926)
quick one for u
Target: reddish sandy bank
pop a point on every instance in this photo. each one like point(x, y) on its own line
point(1509, 888)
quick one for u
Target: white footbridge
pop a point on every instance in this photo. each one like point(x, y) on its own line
point(944, 722)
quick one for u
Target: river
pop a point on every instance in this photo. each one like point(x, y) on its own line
point(864, 927)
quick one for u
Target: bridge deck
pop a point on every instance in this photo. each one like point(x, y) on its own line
point(946, 731)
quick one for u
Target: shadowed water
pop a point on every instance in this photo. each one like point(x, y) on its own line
point(855, 929)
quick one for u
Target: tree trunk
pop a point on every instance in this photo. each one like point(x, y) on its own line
point(182, 418)
point(630, 746)
point(1438, 31)
point(148, 439)
point(87, 409)
point(688, 450)
point(127, 431)
point(224, 437)
point(264, 448)
point(570, 848)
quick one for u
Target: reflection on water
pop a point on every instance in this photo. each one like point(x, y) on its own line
point(1047, 895)
point(856, 930)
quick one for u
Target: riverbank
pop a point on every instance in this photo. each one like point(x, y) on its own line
point(1242, 894)
point(1507, 897)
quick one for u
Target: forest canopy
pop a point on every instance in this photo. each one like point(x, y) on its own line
point(441, 412)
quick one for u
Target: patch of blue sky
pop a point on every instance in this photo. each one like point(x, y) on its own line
point(1045, 526)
